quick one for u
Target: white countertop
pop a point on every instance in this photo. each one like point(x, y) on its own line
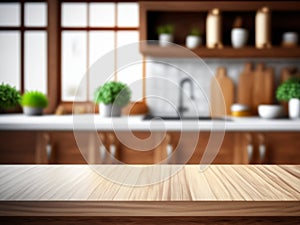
point(136, 123)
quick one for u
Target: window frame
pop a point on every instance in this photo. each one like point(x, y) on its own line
point(22, 29)
point(54, 42)
point(87, 29)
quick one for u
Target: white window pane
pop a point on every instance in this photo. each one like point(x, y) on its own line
point(36, 61)
point(101, 44)
point(127, 37)
point(128, 15)
point(73, 64)
point(130, 72)
point(132, 76)
point(74, 14)
point(102, 14)
point(10, 58)
point(10, 14)
point(36, 14)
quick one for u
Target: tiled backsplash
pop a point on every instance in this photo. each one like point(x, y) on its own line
point(164, 75)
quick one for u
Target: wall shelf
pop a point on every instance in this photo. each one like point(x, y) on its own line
point(226, 52)
point(285, 16)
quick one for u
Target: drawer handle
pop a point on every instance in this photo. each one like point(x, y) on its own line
point(102, 153)
point(49, 151)
point(250, 152)
point(112, 150)
point(262, 152)
point(262, 148)
point(250, 147)
point(169, 150)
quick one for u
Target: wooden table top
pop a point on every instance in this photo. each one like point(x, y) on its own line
point(220, 190)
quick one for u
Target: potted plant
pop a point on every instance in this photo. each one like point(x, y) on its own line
point(112, 97)
point(33, 103)
point(9, 97)
point(290, 91)
point(165, 34)
point(239, 35)
point(193, 40)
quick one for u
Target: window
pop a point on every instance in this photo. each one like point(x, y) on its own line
point(23, 44)
point(89, 31)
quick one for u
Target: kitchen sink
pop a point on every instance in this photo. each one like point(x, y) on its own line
point(150, 117)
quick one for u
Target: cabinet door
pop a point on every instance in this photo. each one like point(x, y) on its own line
point(282, 147)
point(194, 147)
point(17, 147)
point(223, 154)
point(268, 147)
point(141, 147)
point(65, 150)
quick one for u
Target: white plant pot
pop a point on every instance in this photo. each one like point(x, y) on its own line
point(109, 110)
point(294, 108)
point(239, 37)
point(193, 41)
point(32, 111)
point(165, 39)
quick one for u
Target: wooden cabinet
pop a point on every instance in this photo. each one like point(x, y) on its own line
point(269, 147)
point(185, 15)
point(236, 148)
point(147, 148)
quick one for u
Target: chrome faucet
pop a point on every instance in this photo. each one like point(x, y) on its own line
point(181, 108)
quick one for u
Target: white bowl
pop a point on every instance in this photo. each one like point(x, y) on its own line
point(270, 111)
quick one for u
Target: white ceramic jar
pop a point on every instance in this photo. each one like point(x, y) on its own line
point(294, 108)
point(193, 41)
point(239, 37)
point(165, 39)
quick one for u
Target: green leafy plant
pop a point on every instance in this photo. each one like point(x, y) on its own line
point(289, 89)
point(113, 92)
point(9, 96)
point(195, 32)
point(165, 29)
point(34, 99)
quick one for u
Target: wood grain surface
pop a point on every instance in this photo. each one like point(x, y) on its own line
point(263, 86)
point(245, 86)
point(220, 190)
point(222, 93)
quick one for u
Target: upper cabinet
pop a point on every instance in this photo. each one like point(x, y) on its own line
point(277, 19)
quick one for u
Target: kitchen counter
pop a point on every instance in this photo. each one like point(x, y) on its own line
point(95, 122)
point(219, 190)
